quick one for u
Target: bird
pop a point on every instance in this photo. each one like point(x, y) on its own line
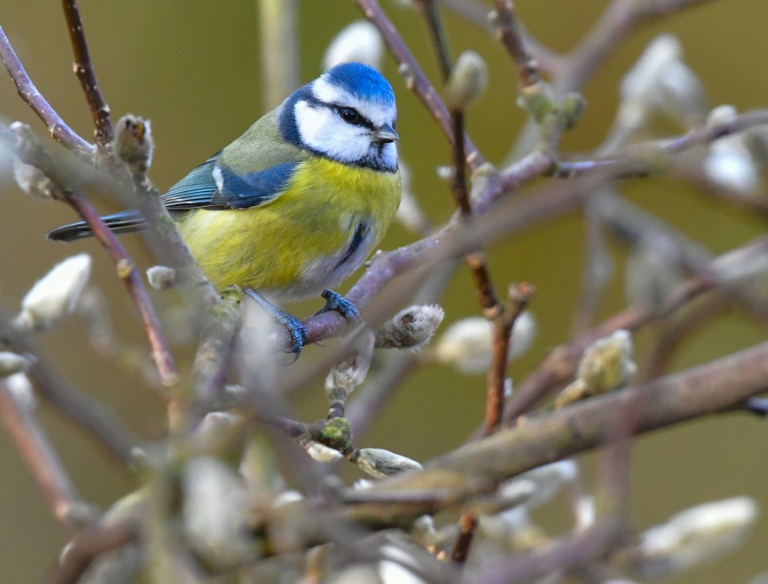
point(297, 203)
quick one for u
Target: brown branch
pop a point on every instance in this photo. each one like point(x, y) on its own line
point(519, 297)
point(131, 277)
point(125, 267)
point(599, 44)
point(58, 129)
point(39, 456)
point(715, 387)
point(560, 364)
point(83, 68)
point(416, 81)
point(508, 32)
point(82, 410)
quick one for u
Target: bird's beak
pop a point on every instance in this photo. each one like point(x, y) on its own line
point(385, 134)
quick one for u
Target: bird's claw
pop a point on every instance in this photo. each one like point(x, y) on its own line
point(336, 302)
point(297, 331)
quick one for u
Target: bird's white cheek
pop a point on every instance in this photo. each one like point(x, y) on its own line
point(321, 130)
point(311, 122)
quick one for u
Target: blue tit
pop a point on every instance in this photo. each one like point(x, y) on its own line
point(296, 204)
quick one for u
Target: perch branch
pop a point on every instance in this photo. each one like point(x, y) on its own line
point(87, 75)
point(59, 130)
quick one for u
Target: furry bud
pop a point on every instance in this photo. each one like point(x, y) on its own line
point(133, 143)
point(410, 328)
point(380, 463)
point(359, 42)
point(467, 81)
point(161, 277)
point(55, 296)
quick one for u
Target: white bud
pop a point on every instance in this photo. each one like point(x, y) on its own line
point(467, 81)
point(360, 42)
point(695, 536)
point(21, 389)
point(213, 517)
point(348, 374)
point(467, 343)
point(322, 453)
point(215, 428)
point(380, 463)
point(287, 497)
point(659, 82)
point(681, 95)
point(410, 328)
point(11, 363)
point(161, 277)
point(641, 80)
point(523, 334)
point(729, 161)
point(398, 567)
point(54, 296)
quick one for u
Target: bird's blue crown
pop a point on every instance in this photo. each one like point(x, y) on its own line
point(361, 81)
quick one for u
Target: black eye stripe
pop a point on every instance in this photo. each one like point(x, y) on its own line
point(353, 117)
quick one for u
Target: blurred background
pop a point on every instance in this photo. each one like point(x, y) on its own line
point(192, 68)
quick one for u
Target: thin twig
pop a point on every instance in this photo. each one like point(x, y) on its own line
point(508, 31)
point(40, 456)
point(560, 364)
point(439, 37)
point(125, 267)
point(59, 130)
point(715, 387)
point(415, 78)
point(87, 75)
point(519, 297)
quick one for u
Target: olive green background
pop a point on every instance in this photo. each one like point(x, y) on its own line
point(192, 67)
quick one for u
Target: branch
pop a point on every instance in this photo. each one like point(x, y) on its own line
point(715, 387)
point(560, 364)
point(29, 153)
point(40, 457)
point(509, 34)
point(416, 81)
point(87, 76)
point(59, 130)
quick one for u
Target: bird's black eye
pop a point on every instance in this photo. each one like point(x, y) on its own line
point(350, 115)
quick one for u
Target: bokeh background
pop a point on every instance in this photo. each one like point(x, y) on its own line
point(192, 68)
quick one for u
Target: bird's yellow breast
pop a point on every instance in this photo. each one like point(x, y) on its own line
point(291, 245)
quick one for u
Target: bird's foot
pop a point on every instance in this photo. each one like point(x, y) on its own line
point(336, 302)
point(297, 331)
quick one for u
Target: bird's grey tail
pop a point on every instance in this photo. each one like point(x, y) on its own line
point(123, 222)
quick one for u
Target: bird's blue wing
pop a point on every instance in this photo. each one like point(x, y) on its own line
point(251, 189)
point(195, 190)
point(214, 185)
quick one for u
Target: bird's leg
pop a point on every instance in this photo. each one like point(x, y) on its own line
point(296, 330)
point(335, 301)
